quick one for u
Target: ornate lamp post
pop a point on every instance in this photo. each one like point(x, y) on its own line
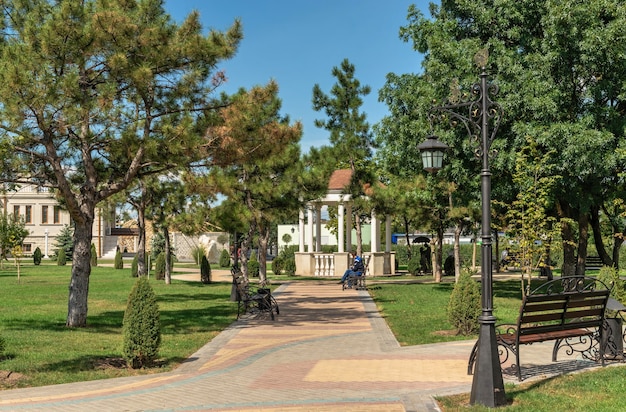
point(477, 112)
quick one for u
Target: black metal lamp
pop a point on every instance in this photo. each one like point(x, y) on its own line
point(477, 113)
point(432, 151)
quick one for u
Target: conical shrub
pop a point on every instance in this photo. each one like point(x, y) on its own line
point(142, 326)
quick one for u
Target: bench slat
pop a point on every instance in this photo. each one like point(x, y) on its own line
point(510, 338)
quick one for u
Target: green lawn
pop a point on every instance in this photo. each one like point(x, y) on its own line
point(40, 347)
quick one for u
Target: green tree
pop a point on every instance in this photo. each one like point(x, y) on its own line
point(263, 172)
point(560, 82)
point(12, 234)
point(64, 240)
point(350, 134)
point(531, 224)
point(141, 327)
point(110, 90)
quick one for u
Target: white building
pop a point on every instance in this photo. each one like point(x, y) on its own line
point(45, 219)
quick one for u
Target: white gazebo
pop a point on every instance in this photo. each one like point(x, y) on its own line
point(311, 261)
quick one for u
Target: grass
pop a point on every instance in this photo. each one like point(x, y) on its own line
point(417, 312)
point(41, 348)
point(600, 390)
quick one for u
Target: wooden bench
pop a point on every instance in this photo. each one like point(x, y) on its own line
point(569, 311)
point(593, 263)
point(252, 300)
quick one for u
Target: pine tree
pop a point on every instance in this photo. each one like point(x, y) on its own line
point(146, 98)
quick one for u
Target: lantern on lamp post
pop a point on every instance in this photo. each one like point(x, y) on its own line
point(432, 151)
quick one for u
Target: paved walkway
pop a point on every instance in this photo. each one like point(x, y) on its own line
point(328, 350)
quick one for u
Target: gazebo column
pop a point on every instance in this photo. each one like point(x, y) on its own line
point(310, 229)
point(388, 234)
point(341, 242)
point(301, 231)
point(375, 241)
point(349, 227)
point(318, 227)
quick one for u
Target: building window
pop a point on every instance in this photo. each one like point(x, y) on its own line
point(28, 216)
point(44, 214)
point(57, 215)
point(27, 248)
point(16, 210)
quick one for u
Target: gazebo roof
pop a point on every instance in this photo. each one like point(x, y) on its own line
point(340, 179)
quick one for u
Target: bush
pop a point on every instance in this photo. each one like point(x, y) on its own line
point(224, 259)
point(253, 266)
point(37, 255)
point(119, 262)
point(464, 307)
point(290, 265)
point(414, 266)
point(141, 327)
point(134, 267)
point(61, 259)
point(205, 270)
point(610, 277)
point(94, 255)
point(277, 265)
point(159, 266)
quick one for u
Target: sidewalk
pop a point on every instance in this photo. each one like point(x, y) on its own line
point(328, 350)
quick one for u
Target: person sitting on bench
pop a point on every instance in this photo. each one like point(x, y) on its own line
point(356, 269)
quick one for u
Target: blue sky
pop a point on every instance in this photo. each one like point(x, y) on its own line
point(298, 42)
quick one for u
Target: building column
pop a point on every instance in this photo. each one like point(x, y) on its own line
point(301, 231)
point(341, 243)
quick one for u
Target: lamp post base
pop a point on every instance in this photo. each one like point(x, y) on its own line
point(487, 384)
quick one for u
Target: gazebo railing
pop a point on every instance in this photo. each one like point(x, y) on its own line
point(324, 264)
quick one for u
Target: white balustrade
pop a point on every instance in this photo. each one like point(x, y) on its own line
point(324, 264)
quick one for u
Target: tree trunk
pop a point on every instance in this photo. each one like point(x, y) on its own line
point(457, 252)
point(583, 238)
point(264, 237)
point(594, 220)
point(359, 235)
point(168, 256)
point(81, 269)
point(437, 255)
point(141, 243)
point(408, 240)
point(569, 243)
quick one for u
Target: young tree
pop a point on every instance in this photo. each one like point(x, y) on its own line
point(12, 234)
point(95, 94)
